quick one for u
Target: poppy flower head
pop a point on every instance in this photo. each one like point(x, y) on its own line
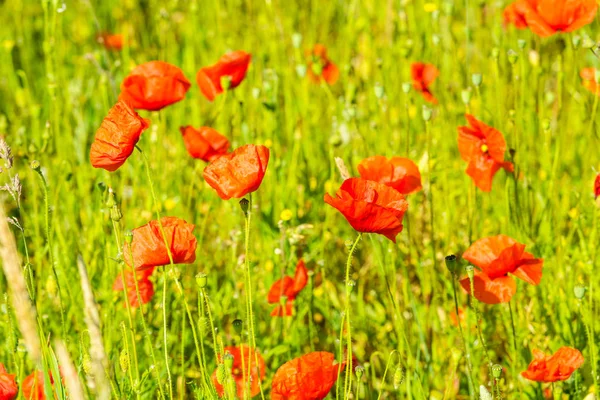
point(204, 143)
point(423, 75)
point(257, 370)
point(288, 287)
point(370, 206)
point(320, 66)
point(111, 41)
point(589, 80)
point(144, 285)
point(547, 17)
point(117, 136)
point(238, 173)
point(552, 368)
point(308, 377)
point(33, 386)
point(148, 245)
point(483, 148)
point(496, 257)
point(8, 385)
point(154, 85)
point(231, 66)
point(399, 173)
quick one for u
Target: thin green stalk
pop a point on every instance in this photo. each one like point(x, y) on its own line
point(464, 341)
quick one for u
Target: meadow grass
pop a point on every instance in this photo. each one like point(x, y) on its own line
point(57, 84)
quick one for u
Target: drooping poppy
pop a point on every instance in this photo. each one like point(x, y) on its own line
point(597, 186)
point(257, 371)
point(496, 257)
point(370, 206)
point(423, 76)
point(399, 173)
point(204, 143)
point(309, 377)
point(8, 385)
point(547, 17)
point(483, 147)
point(238, 173)
point(589, 80)
point(144, 285)
point(552, 368)
point(117, 136)
point(33, 386)
point(231, 66)
point(148, 246)
point(320, 66)
point(288, 287)
point(154, 85)
point(111, 41)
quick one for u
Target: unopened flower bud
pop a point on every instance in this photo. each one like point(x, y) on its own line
point(201, 280)
point(35, 165)
point(477, 79)
point(470, 270)
point(579, 291)
point(452, 264)
point(497, 371)
point(406, 87)
point(128, 237)
point(244, 204)
point(398, 377)
point(359, 371)
point(513, 56)
point(124, 360)
point(426, 113)
point(228, 361)
point(466, 96)
point(237, 326)
point(379, 92)
point(296, 40)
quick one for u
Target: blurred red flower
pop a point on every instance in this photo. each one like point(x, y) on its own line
point(288, 287)
point(399, 173)
point(257, 372)
point(145, 286)
point(547, 17)
point(423, 76)
point(552, 368)
point(111, 41)
point(154, 85)
point(370, 206)
point(589, 80)
point(232, 65)
point(309, 377)
point(204, 143)
point(148, 246)
point(597, 186)
point(32, 386)
point(483, 147)
point(238, 173)
point(320, 66)
point(8, 385)
point(117, 136)
point(496, 257)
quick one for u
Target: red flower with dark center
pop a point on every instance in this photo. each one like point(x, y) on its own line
point(232, 66)
point(496, 257)
point(148, 245)
point(117, 136)
point(309, 377)
point(423, 76)
point(589, 80)
point(370, 206)
point(320, 66)
point(552, 368)
point(8, 385)
point(204, 143)
point(288, 287)
point(144, 285)
point(154, 85)
point(399, 173)
point(547, 17)
point(238, 173)
point(257, 371)
point(483, 147)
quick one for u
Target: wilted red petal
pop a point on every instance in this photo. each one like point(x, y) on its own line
point(233, 65)
point(257, 370)
point(300, 277)
point(204, 143)
point(8, 385)
point(399, 173)
point(552, 368)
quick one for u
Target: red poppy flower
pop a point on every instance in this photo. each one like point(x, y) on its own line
point(117, 136)
point(370, 206)
point(257, 372)
point(556, 367)
point(496, 257)
point(309, 377)
point(204, 143)
point(232, 65)
point(589, 80)
point(320, 66)
point(33, 386)
point(8, 385)
point(111, 41)
point(145, 286)
point(483, 148)
point(154, 85)
point(148, 246)
point(547, 17)
point(238, 173)
point(399, 173)
point(597, 186)
point(288, 287)
point(423, 76)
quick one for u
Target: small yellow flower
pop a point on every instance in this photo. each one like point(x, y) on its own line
point(286, 215)
point(268, 266)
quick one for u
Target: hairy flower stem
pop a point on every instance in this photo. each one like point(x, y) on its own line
point(464, 342)
point(478, 318)
point(516, 351)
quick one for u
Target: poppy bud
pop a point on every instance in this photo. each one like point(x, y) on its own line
point(35, 165)
point(244, 204)
point(203, 325)
point(221, 374)
point(228, 361)
point(115, 213)
point(379, 92)
point(470, 270)
point(128, 237)
point(477, 79)
point(359, 371)
point(406, 87)
point(426, 113)
point(398, 377)
point(111, 201)
point(496, 371)
point(576, 40)
point(201, 280)
point(296, 40)
point(521, 43)
point(484, 394)
point(466, 96)
point(513, 56)
point(579, 291)
point(452, 264)
point(237, 326)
